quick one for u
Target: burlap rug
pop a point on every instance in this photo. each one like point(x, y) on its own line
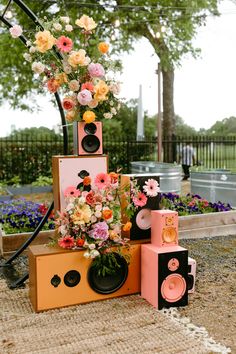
point(121, 325)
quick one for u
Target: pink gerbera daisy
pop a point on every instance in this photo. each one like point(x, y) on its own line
point(71, 191)
point(151, 187)
point(65, 44)
point(140, 199)
point(102, 180)
point(66, 242)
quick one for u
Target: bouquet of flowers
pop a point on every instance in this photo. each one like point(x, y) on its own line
point(78, 67)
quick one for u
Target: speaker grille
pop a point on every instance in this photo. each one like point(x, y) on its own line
point(108, 284)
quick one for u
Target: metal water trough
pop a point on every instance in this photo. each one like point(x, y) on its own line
point(214, 185)
point(170, 174)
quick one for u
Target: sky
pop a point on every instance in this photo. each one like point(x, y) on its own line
point(204, 89)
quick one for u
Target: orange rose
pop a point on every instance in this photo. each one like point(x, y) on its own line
point(107, 214)
point(114, 177)
point(103, 47)
point(127, 226)
point(86, 181)
point(52, 85)
point(89, 116)
point(80, 242)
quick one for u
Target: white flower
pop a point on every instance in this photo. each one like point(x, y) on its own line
point(16, 31)
point(115, 88)
point(74, 85)
point(86, 254)
point(113, 111)
point(68, 28)
point(82, 200)
point(98, 214)
point(27, 57)
point(94, 253)
point(63, 230)
point(69, 206)
point(98, 207)
point(107, 115)
point(93, 219)
point(67, 68)
point(57, 26)
point(32, 50)
point(151, 187)
point(38, 67)
point(65, 19)
point(92, 246)
point(28, 43)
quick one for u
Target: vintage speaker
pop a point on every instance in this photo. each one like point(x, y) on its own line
point(164, 228)
point(90, 138)
point(164, 275)
point(141, 220)
point(59, 278)
point(192, 267)
point(70, 171)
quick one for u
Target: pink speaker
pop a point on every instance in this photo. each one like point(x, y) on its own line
point(90, 138)
point(70, 171)
point(192, 267)
point(164, 228)
point(164, 275)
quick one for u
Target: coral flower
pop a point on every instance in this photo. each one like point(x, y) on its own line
point(53, 85)
point(127, 226)
point(103, 47)
point(86, 181)
point(87, 86)
point(89, 116)
point(65, 44)
point(107, 214)
point(68, 103)
point(79, 242)
point(140, 200)
point(102, 180)
point(151, 187)
point(66, 242)
point(71, 191)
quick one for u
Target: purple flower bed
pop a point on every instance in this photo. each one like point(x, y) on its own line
point(20, 215)
point(191, 204)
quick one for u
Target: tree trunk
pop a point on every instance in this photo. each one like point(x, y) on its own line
point(168, 124)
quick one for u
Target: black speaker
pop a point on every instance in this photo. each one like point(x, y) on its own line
point(90, 138)
point(141, 220)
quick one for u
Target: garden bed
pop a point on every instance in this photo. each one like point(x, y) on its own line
point(12, 242)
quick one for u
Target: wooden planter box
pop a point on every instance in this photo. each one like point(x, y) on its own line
point(11, 243)
point(207, 225)
point(28, 189)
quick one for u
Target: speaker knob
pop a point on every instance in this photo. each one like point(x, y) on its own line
point(55, 281)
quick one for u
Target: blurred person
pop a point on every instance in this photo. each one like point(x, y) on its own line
point(188, 158)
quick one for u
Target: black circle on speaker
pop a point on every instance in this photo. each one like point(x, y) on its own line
point(109, 283)
point(55, 281)
point(90, 128)
point(90, 143)
point(190, 281)
point(72, 278)
point(83, 173)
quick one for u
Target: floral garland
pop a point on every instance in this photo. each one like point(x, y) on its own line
point(81, 73)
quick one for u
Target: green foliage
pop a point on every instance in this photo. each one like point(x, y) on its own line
point(34, 133)
point(42, 181)
point(226, 127)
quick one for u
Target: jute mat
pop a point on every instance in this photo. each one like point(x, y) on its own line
point(121, 325)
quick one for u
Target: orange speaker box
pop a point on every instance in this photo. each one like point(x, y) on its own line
point(164, 228)
point(59, 278)
point(70, 170)
point(90, 138)
point(164, 275)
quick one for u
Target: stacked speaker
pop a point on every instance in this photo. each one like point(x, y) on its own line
point(165, 264)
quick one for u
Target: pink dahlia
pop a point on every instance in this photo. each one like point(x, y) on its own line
point(99, 231)
point(66, 242)
point(140, 199)
point(151, 187)
point(65, 44)
point(71, 191)
point(102, 180)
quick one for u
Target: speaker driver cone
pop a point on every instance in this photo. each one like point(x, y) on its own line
point(143, 219)
point(169, 234)
point(110, 283)
point(90, 143)
point(173, 287)
point(72, 278)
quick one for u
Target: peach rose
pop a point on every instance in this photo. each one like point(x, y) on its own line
point(61, 78)
point(107, 214)
point(78, 58)
point(53, 85)
point(68, 103)
point(44, 41)
point(127, 226)
point(101, 90)
point(89, 116)
point(86, 22)
point(70, 116)
point(103, 47)
point(93, 103)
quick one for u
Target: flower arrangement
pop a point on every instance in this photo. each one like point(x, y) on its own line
point(191, 204)
point(20, 215)
point(78, 67)
point(92, 217)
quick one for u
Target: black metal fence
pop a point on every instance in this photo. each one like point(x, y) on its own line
point(28, 157)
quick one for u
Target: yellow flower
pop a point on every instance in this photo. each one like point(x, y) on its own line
point(89, 116)
point(78, 58)
point(86, 22)
point(101, 90)
point(44, 41)
point(70, 116)
point(61, 78)
point(127, 226)
point(103, 47)
point(82, 214)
